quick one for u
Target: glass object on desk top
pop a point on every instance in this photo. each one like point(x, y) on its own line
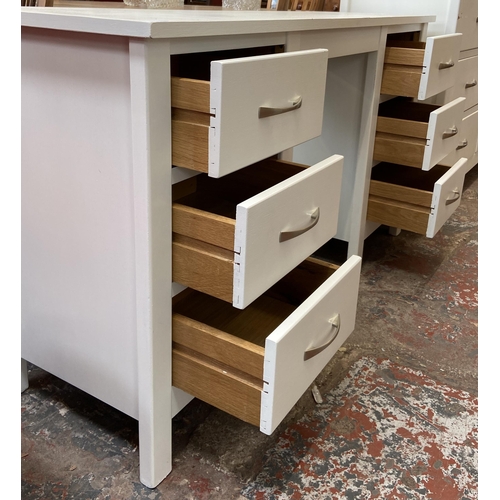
point(241, 4)
point(155, 3)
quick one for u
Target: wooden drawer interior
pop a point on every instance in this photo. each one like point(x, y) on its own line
point(190, 101)
point(204, 220)
point(218, 351)
point(402, 131)
point(403, 64)
point(401, 196)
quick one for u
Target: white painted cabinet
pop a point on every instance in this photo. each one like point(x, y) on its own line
point(104, 203)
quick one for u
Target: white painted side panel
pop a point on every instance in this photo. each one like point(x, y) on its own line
point(239, 87)
point(439, 49)
point(288, 206)
point(443, 120)
point(286, 374)
point(446, 188)
point(78, 257)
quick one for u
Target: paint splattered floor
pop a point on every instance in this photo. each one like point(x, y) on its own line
point(398, 418)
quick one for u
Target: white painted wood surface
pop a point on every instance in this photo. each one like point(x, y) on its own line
point(286, 374)
point(441, 121)
point(78, 252)
point(151, 151)
point(467, 82)
point(192, 22)
point(446, 188)
point(468, 138)
point(467, 24)
point(260, 258)
point(239, 87)
point(24, 375)
point(438, 50)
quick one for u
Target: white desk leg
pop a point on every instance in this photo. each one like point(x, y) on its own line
point(24, 375)
point(150, 106)
point(371, 97)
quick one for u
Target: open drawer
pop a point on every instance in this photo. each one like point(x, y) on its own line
point(420, 69)
point(252, 108)
point(235, 237)
point(255, 364)
point(414, 200)
point(417, 134)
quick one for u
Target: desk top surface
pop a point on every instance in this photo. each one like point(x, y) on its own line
point(192, 21)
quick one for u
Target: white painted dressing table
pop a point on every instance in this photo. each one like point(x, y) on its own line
point(97, 178)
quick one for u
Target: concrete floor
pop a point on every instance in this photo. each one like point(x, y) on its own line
point(398, 418)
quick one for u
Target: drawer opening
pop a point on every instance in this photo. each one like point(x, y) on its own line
point(402, 131)
point(401, 196)
point(403, 66)
point(204, 223)
point(218, 351)
point(190, 101)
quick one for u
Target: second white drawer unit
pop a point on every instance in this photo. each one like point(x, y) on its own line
point(252, 108)
point(236, 236)
point(256, 363)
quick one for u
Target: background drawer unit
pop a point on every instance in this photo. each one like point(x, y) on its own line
point(467, 24)
point(417, 134)
point(235, 237)
point(252, 108)
point(256, 363)
point(467, 82)
point(467, 146)
point(420, 69)
point(413, 200)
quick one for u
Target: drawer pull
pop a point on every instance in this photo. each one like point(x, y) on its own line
point(313, 351)
point(446, 65)
point(264, 111)
point(456, 196)
point(450, 133)
point(471, 84)
point(288, 235)
point(464, 144)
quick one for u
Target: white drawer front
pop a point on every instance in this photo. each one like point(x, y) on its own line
point(443, 132)
point(467, 24)
point(446, 196)
point(440, 64)
point(309, 199)
point(467, 140)
point(293, 81)
point(467, 81)
point(287, 374)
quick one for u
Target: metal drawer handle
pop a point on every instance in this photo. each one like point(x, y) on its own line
point(264, 112)
point(450, 133)
point(288, 235)
point(456, 196)
point(463, 145)
point(471, 84)
point(313, 351)
point(446, 65)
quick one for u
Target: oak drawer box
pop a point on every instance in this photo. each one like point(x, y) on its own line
point(236, 236)
point(417, 134)
point(256, 363)
point(414, 200)
point(420, 69)
point(252, 108)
